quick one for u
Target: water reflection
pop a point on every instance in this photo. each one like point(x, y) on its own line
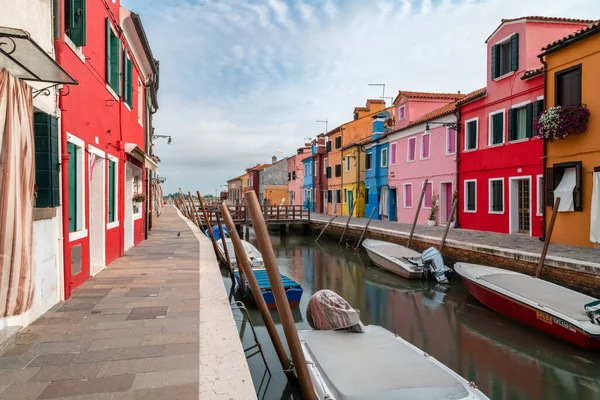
point(506, 360)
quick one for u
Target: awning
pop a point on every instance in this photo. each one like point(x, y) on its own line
point(564, 190)
point(26, 60)
point(150, 164)
point(136, 152)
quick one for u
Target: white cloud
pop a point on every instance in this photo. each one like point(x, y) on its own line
point(241, 80)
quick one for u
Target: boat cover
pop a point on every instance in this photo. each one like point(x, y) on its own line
point(216, 232)
point(377, 365)
point(391, 249)
point(327, 310)
point(549, 295)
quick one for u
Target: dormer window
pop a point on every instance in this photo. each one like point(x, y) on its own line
point(505, 56)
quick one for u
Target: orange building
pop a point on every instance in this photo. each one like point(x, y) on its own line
point(573, 163)
point(343, 135)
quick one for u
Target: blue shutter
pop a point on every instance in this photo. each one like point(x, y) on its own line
point(514, 52)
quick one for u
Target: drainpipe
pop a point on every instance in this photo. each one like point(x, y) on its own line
point(545, 186)
point(458, 125)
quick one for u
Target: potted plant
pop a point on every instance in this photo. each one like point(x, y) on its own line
point(454, 198)
point(138, 199)
point(433, 211)
point(561, 121)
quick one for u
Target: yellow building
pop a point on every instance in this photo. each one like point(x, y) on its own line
point(353, 180)
point(276, 194)
point(573, 163)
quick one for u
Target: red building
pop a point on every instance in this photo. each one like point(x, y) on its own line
point(320, 175)
point(106, 131)
point(500, 162)
point(253, 182)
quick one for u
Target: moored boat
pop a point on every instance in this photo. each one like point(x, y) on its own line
point(293, 290)
point(546, 306)
point(251, 252)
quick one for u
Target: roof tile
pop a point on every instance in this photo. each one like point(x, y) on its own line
point(574, 35)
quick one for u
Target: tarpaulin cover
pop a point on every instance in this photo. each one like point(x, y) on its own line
point(329, 311)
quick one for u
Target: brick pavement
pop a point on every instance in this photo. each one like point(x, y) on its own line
point(131, 332)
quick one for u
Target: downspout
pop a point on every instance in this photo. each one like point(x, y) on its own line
point(545, 186)
point(458, 125)
point(358, 192)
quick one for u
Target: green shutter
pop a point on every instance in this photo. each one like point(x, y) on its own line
point(111, 191)
point(472, 134)
point(129, 83)
point(127, 78)
point(77, 16)
point(529, 120)
point(46, 159)
point(498, 127)
point(115, 67)
point(72, 187)
point(495, 60)
point(108, 53)
point(514, 52)
point(536, 114)
point(512, 132)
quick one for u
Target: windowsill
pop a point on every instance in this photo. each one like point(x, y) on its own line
point(426, 208)
point(424, 158)
point(469, 150)
point(77, 50)
point(127, 106)
point(112, 225)
point(470, 211)
point(77, 235)
point(140, 122)
point(112, 92)
point(137, 216)
point(451, 154)
point(409, 161)
point(407, 207)
point(496, 212)
point(490, 146)
point(43, 213)
point(504, 76)
point(539, 215)
point(519, 140)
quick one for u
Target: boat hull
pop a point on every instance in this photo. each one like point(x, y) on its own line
point(390, 266)
point(531, 316)
point(292, 293)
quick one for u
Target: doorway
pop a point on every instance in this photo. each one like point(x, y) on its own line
point(350, 201)
point(520, 205)
point(128, 242)
point(445, 201)
point(97, 213)
point(393, 205)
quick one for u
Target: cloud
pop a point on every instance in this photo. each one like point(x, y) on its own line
point(244, 79)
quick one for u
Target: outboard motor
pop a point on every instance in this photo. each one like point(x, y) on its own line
point(434, 267)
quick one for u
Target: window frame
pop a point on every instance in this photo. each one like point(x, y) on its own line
point(466, 195)
point(368, 160)
point(557, 74)
point(316, 169)
point(115, 223)
point(140, 102)
point(108, 67)
point(491, 196)
point(491, 127)
point(345, 195)
point(325, 161)
point(421, 156)
point(448, 129)
point(384, 150)
point(402, 112)
point(408, 159)
point(81, 230)
point(347, 162)
point(393, 153)
point(404, 186)
point(466, 124)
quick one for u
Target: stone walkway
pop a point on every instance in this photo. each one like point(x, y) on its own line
point(131, 332)
point(508, 242)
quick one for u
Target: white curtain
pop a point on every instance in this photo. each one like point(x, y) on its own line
point(383, 201)
point(564, 190)
point(16, 195)
point(595, 217)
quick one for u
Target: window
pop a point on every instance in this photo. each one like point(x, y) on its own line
point(471, 134)
point(338, 170)
point(538, 108)
point(75, 16)
point(412, 149)
point(402, 112)
point(47, 164)
point(428, 195)
point(316, 168)
point(384, 158)
point(140, 101)
point(325, 166)
point(329, 199)
point(366, 195)
point(347, 163)
point(496, 131)
point(251, 181)
point(345, 196)
point(520, 122)
point(294, 175)
point(505, 56)
point(470, 198)
point(496, 196)
point(450, 141)
point(338, 142)
point(338, 194)
point(127, 82)
point(368, 160)
point(328, 146)
point(539, 195)
point(568, 87)
point(113, 198)
point(289, 176)
point(328, 172)
point(76, 172)
point(113, 59)
point(554, 177)
point(425, 146)
point(393, 150)
point(408, 203)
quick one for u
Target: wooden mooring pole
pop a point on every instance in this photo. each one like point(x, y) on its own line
point(347, 222)
point(207, 222)
point(283, 307)
point(538, 272)
point(244, 265)
point(357, 247)
point(225, 250)
point(412, 229)
point(328, 223)
point(448, 225)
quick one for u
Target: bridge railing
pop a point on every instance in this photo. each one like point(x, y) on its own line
point(276, 214)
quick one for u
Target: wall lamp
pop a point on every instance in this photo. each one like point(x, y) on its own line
point(451, 125)
point(154, 137)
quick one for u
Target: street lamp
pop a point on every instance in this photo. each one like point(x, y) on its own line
point(451, 125)
point(154, 137)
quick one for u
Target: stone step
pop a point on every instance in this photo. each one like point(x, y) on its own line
point(9, 337)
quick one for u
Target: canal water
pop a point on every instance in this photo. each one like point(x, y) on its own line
point(504, 359)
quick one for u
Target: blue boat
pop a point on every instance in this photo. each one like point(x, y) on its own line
point(293, 290)
point(216, 232)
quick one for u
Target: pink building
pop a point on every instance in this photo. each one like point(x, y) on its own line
point(411, 106)
point(296, 176)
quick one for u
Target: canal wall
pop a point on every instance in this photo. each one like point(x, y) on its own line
point(579, 275)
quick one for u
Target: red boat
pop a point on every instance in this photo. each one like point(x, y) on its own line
point(548, 307)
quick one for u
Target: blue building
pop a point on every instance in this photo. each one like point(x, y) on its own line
point(307, 198)
point(378, 195)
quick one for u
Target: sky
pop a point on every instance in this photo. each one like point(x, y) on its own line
point(244, 80)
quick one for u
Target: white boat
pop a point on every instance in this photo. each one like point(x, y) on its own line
point(252, 252)
point(377, 365)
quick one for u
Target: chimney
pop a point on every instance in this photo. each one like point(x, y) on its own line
point(378, 125)
point(459, 92)
point(273, 159)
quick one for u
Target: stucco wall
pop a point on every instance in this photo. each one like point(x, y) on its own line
point(275, 174)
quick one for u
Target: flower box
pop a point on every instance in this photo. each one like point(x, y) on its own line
point(561, 121)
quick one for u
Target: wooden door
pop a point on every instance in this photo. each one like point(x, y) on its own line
point(524, 206)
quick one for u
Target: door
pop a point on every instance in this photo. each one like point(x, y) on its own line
point(350, 202)
point(523, 206)
point(445, 202)
point(393, 205)
point(324, 208)
point(97, 207)
point(128, 190)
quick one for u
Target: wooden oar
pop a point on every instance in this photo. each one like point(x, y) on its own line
point(283, 307)
point(412, 229)
point(538, 272)
point(244, 265)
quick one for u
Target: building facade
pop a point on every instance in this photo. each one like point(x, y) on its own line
point(307, 196)
point(253, 179)
point(273, 182)
point(500, 161)
point(353, 178)
point(573, 164)
point(296, 176)
point(376, 174)
point(234, 190)
point(320, 182)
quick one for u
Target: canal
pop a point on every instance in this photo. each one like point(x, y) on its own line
point(504, 359)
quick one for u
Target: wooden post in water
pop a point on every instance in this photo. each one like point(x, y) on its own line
point(225, 250)
point(357, 247)
point(194, 212)
point(412, 230)
point(448, 225)
point(210, 232)
point(283, 307)
point(538, 272)
point(328, 223)
point(244, 265)
point(347, 222)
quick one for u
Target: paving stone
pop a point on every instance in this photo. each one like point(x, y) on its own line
point(76, 306)
point(118, 354)
point(141, 331)
point(179, 392)
point(20, 375)
point(150, 380)
point(118, 342)
point(52, 359)
point(60, 347)
point(169, 338)
point(142, 292)
point(18, 350)
point(23, 391)
point(117, 383)
point(14, 362)
point(65, 372)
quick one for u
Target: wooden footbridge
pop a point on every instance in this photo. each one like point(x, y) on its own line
point(274, 215)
